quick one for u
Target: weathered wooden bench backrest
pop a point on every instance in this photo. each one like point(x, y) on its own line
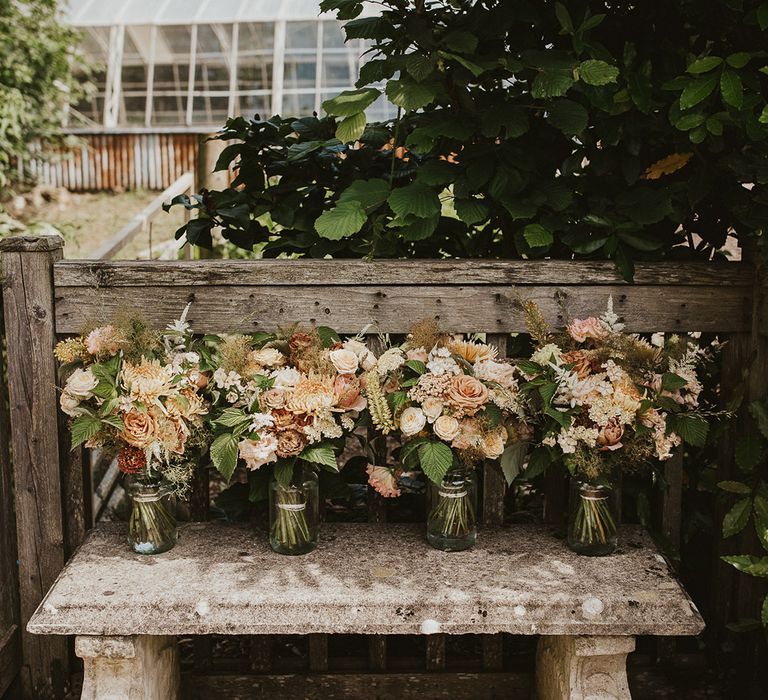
point(46, 297)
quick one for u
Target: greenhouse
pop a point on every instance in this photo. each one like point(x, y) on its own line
point(171, 63)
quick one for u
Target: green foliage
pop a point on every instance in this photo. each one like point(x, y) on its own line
point(558, 129)
point(36, 81)
point(435, 458)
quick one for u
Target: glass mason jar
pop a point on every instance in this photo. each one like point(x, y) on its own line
point(152, 525)
point(592, 519)
point(452, 524)
point(294, 513)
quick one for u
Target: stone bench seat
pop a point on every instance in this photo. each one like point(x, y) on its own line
point(126, 609)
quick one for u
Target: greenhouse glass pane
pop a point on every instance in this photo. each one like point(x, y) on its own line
point(251, 105)
point(171, 77)
point(214, 47)
point(132, 109)
point(95, 44)
point(299, 72)
point(298, 104)
point(339, 70)
point(220, 10)
point(177, 12)
point(254, 73)
point(333, 35)
point(255, 37)
point(210, 109)
point(173, 42)
point(301, 35)
point(169, 109)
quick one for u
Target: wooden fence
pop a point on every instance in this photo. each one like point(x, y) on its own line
point(46, 297)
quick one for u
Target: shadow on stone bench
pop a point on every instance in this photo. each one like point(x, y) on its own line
point(363, 579)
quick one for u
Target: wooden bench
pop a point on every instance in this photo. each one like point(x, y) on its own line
point(377, 579)
point(127, 610)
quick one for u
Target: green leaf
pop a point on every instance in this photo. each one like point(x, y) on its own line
point(568, 116)
point(594, 72)
point(415, 199)
point(690, 121)
point(761, 527)
point(408, 94)
point(511, 118)
point(714, 126)
point(697, 90)
point(284, 471)
point(552, 83)
point(369, 194)
point(419, 66)
point(564, 18)
point(342, 221)
point(763, 119)
point(436, 459)
point(231, 418)
point(738, 59)
point(83, 428)
point(749, 450)
point(734, 487)
point(351, 102)
point(764, 612)
point(736, 518)
point(536, 236)
point(417, 366)
point(419, 229)
point(691, 428)
point(754, 566)
point(321, 454)
point(328, 336)
point(539, 459)
point(759, 412)
point(512, 460)
point(762, 16)
point(643, 242)
point(461, 41)
point(671, 381)
point(224, 454)
point(471, 211)
point(705, 64)
point(351, 128)
point(732, 89)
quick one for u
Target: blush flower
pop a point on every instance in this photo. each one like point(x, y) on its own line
point(467, 394)
point(587, 329)
point(257, 453)
point(383, 481)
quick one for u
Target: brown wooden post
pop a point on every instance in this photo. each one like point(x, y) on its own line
point(28, 302)
point(10, 650)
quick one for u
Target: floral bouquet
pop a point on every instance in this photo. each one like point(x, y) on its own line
point(609, 403)
point(284, 404)
point(136, 393)
point(452, 404)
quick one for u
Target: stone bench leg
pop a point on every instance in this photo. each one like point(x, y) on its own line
point(583, 668)
point(141, 667)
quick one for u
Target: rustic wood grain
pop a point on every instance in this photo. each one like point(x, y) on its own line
point(353, 686)
point(83, 273)
point(489, 308)
point(261, 653)
point(318, 653)
point(28, 307)
point(493, 652)
point(10, 657)
point(377, 652)
point(435, 656)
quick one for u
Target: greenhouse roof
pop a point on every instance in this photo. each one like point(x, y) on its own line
point(92, 13)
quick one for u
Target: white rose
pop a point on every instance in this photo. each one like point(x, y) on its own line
point(432, 408)
point(345, 361)
point(446, 428)
point(412, 420)
point(268, 357)
point(287, 378)
point(365, 357)
point(499, 372)
point(70, 404)
point(368, 361)
point(81, 383)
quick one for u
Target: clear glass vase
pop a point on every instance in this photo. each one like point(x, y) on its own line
point(452, 523)
point(294, 513)
point(152, 525)
point(592, 519)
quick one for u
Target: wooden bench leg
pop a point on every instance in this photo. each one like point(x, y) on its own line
point(578, 668)
point(129, 668)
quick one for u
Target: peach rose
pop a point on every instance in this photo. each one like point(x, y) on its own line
point(589, 328)
point(467, 393)
point(257, 453)
point(345, 361)
point(446, 428)
point(290, 443)
point(273, 398)
point(383, 481)
point(171, 432)
point(493, 443)
point(346, 389)
point(419, 354)
point(139, 429)
point(609, 437)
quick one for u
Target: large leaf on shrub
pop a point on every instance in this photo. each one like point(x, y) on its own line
point(737, 517)
point(693, 429)
point(224, 454)
point(594, 72)
point(414, 199)
point(351, 128)
point(471, 211)
point(370, 194)
point(408, 94)
point(344, 220)
point(568, 116)
point(351, 102)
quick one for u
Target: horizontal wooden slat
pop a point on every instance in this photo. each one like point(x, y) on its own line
point(352, 686)
point(391, 272)
point(489, 308)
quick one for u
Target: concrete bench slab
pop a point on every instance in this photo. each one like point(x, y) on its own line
point(372, 579)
